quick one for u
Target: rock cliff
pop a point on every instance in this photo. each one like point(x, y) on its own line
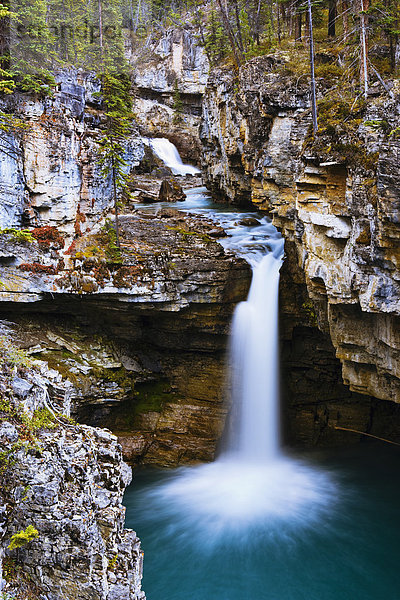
point(170, 77)
point(335, 198)
point(48, 166)
point(141, 334)
point(62, 520)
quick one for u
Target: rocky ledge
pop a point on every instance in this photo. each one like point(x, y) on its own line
point(141, 334)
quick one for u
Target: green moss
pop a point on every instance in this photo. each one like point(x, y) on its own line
point(149, 397)
point(395, 133)
point(309, 309)
point(337, 138)
point(152, 395)
point(20, 539)
point(113, 561)
point(10, 354)
point(181, 230)
point(121, 376)
point(328, 70)
point(377, 124)
point(42, 419)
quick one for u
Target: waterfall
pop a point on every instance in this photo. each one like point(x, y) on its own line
point(253, 484)
point(167, 152)
point(254, 366)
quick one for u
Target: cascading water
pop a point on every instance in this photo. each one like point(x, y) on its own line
point(253, 365)
point(168, 153)
point(251, 480)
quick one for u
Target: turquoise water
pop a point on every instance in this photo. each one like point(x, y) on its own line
point(343, 543)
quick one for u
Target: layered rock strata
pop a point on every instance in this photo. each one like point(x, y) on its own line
point(49, 168)
point(141, 335)
point(170, 77)
point(335, 198)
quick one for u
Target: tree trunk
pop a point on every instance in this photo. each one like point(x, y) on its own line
point(278, 20)
point(238, 57)
point(332, 19)
point(100, 26)
point(257, 24)
point(116, 209)
point(397, 54)
point(297, 27)
point(345, 19)
point(364, 46)
point(239, 26)
point(312, 71)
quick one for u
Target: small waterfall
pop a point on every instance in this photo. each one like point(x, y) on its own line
point(254, 366)
point(167, 152)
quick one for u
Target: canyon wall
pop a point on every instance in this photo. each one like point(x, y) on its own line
point(49, 166)
point(170, 78)
point(335, 198)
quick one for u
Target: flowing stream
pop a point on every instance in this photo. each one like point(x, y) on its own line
point(256, 524)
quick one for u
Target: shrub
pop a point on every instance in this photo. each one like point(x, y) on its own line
point(23, 537)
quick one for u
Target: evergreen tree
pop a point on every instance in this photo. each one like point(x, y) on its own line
point(117, 104)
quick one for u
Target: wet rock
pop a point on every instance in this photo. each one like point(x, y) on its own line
point(216, 232)
point(249, 222)
point(171, 191)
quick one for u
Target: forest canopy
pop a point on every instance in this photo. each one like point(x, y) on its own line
point(38, 37)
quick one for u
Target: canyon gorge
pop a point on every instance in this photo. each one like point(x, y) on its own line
point(135, 341)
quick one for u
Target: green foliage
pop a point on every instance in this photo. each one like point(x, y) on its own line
point(42, 419)
point(395, 133)
point(20, 235)
point(215, 40)
point(377, 124)
point(309, 309)
point(117, 104)
point(113, 561)
point(11, 355)
point(108, 238)
point(20, 539)
point(177, 103)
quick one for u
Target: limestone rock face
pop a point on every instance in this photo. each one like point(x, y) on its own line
point(339, 215)
point(173, 67)
point(51, 176)
point(67, 482)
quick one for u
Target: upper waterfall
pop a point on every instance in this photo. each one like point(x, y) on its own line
point(168, 153)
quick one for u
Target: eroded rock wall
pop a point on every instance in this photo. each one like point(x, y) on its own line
point(142, 337)
point(49, 166)
point(339, 212)
point(65, 482)
point(170, 77)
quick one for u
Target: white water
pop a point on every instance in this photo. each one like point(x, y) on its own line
point(168, 153)
point(254, 352)
point(253, 483)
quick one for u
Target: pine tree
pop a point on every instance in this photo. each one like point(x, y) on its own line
point(118, 112)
